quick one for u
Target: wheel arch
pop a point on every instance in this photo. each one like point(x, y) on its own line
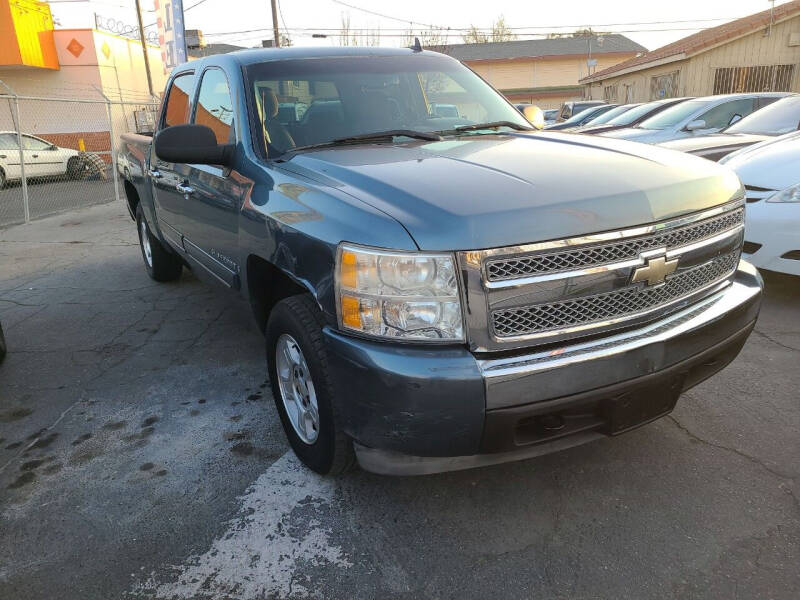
point(267, 284)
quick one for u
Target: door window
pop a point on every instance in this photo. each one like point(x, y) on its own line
point(8, 141)
point(214, 106)
point(177, 110)
point(31, 143)
point(720, 116)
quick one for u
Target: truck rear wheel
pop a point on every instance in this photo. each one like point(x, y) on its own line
point(304, 394)
point(161, 264)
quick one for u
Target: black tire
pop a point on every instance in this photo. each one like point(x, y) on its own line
point(161, 264)
point(3, 347)
point(2, 179)
point(75, 168)
point(331, 453)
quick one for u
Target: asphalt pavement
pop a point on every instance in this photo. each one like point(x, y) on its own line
point(141, 457)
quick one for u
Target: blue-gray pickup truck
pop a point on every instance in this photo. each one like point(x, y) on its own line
point(439, 290)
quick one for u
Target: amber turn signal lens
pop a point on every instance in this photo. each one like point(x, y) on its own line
point(348, 270)
point(351, 312)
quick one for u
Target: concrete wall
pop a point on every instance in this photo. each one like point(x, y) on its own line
point(696, 74)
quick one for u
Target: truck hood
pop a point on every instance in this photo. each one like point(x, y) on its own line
point(489, 191)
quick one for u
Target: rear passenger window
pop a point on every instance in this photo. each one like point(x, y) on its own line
point(720, 116)
point(214, 106)
point(177, 112)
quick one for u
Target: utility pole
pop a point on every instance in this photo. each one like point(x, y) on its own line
point(144, 50)
point(275, 31)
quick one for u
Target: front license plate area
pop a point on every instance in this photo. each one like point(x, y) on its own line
point(637, 407)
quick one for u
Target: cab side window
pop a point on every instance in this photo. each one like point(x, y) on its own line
point(31, 143)
point(214, 106)
point(177, 110)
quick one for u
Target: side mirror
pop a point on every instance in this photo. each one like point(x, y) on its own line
point(695, 125)
point(53, 147)
point(192, 144)
point(534, 115)
point(735, 118)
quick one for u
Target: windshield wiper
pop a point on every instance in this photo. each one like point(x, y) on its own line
point(494, 125)
point(378, 135)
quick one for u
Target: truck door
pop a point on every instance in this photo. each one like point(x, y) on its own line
point(166, 177)
point(213, 195)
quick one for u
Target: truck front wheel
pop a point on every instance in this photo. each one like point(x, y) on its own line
point(302, 388)
point(161, 264)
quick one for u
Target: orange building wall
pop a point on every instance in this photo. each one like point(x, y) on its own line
point(26, 34)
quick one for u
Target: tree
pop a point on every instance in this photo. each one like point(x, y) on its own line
point(499, 32)
point(365, 37)
point(435, 37)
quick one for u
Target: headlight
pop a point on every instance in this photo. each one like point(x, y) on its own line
point(404, 295)
point(790, 194)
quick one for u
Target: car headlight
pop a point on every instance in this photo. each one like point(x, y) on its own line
point(398, 295)
point(790, 194)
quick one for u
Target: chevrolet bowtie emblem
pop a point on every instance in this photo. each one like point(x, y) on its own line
point(655, 271)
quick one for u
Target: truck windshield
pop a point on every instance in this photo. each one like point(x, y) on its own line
point(344, 97)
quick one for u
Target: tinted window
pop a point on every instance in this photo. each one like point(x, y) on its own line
point(8, 141)
point(669, 117)
point(363, 95)
point(720, 116)
point(177, 111)
point(609, 114)
point(629, 116)
point(780, 117)
point(214, 106)
point(31, 143)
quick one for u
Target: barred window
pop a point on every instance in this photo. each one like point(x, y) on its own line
point(664, 86)
point(761, 78)
point(610, 93)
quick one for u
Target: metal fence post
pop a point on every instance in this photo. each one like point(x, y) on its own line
point(114, 172)
point(18, 129)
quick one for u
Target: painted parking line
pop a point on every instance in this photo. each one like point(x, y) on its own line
point(277, 533)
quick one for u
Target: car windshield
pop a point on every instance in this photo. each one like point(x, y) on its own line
point(778, 118)
point(669, 117)
point(576, 119)
point(629, 116)
point(610, 114)
point(344, 97)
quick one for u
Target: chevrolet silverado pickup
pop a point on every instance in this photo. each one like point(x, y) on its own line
point(439, 290)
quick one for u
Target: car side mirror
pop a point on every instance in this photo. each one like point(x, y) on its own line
point(192, 144)
point(735, 118)
point(534, 115)
point(53, 147)
point(695, 125)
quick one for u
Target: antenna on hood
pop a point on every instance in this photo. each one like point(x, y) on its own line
point(417, 47)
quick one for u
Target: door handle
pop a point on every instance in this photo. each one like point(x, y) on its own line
point(154, 173)
point(35, 156)
point(2, 156)
point(184, 189)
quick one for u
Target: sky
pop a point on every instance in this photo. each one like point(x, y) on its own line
point(651, 23)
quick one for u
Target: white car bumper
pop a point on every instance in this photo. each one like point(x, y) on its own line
point(772, 236)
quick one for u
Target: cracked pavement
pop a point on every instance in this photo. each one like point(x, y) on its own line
point(141, 457)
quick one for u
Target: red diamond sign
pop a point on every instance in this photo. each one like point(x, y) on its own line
point(75, 48)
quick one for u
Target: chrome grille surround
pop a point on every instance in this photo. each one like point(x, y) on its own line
point(555, 304)
point(567, 260)
point(627, 301)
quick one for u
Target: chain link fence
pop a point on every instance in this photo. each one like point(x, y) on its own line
point(59, 154)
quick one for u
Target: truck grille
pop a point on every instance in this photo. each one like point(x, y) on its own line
point(624, 302)
point(585, 257)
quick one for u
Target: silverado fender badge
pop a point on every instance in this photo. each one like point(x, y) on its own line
point(655, 270)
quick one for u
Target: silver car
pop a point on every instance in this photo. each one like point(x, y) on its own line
point(696, 117)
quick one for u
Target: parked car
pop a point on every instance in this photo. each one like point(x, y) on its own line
point(770, 172)
point(608, 115)
point(42, 159)
point(582, 117)
point(3, 347)
point(441, 293)
point(779, 118)
point(550, 116)
point(572, 108)
point(696, 117)
point(632, 117)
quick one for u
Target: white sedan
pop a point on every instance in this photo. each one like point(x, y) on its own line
point(770, 172)
point(42, 159)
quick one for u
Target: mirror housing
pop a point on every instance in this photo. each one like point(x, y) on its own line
point(534, 115)
point(695, 125)
point(192, 144)
point(735, 119)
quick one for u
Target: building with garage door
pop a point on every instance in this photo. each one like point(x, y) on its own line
point(757, 53)
point(545, 72)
